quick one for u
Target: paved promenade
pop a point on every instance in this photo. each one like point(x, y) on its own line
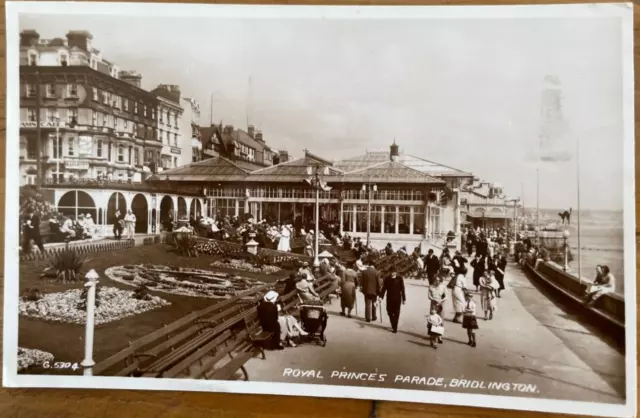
point(531, 341)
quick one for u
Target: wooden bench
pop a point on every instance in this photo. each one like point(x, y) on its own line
point(152, 347)
point(213, 343)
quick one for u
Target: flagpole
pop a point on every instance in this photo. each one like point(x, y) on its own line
point(578, 190)
point(537, 197)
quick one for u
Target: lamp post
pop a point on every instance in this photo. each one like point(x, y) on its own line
point(38, 133)
point(316, 182)
point(565, 237)
point(90, 282)
point(58, 148)
point(370, 189)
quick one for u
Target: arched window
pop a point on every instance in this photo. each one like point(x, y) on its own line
point(120, 153)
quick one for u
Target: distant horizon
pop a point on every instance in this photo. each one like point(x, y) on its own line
point(534, 209)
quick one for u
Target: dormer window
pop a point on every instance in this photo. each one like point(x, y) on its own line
point(93, 63)
point(64, 59)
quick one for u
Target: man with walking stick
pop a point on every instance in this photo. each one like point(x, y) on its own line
point(393, 288)
point(370, 286)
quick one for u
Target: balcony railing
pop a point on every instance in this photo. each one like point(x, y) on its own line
point(128, 185)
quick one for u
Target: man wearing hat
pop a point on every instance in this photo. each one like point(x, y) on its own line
point(459, 264)
point(433, 265)
point(370, 286)
point(393, 287)
point(268, 317)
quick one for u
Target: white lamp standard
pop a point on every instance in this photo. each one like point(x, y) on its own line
point(316, 182)
point(57, 148)
point(369, 189)
point(90, 282)
point(565, 237)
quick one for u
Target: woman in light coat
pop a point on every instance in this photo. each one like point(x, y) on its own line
point(458, 288)
point(284, 243)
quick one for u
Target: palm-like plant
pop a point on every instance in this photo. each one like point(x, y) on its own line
point(66, 265)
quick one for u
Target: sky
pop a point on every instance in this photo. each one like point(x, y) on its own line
point(462, 92)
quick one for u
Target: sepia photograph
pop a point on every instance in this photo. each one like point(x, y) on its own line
point(423, 204)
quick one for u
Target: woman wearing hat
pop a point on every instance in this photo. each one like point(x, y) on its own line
point(305, 289)
point(284, 327)
point(348, 286)
point(458, 289)
point(269, 320)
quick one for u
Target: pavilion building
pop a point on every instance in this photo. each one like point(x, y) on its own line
point(385, 196)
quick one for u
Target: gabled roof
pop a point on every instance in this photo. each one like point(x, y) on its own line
point(420, 164)
point(212, 169)
point(294, 170)
point(389, 172)
point(244, 138)
point(209, 135)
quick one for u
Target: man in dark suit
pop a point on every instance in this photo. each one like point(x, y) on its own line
point(370, 286)
point(268, 317)
point(433, 265)
point(32, 232)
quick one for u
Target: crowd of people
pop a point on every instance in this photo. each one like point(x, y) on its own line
point(377, 275)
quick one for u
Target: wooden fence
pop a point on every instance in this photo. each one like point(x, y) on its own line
point(82, 248)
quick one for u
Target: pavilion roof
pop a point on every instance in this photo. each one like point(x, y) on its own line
point(295, 170)
point(389, 172)
point(212, 169)
point(420, 164)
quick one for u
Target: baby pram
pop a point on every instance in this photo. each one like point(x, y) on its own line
point(314, 321)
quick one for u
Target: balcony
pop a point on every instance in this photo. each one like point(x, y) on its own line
point(126, 185)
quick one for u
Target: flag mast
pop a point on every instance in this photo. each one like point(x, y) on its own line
point(578, 190)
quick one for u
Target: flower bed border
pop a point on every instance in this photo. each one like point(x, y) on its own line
point(158, 303)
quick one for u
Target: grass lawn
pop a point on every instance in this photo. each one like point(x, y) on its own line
point(66, 341)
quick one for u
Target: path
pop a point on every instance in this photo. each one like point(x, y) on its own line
point(530, 341)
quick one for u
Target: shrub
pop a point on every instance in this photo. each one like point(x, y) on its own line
point(186, 243)
point(141, 293)
point(31, 295)
point(67, 265)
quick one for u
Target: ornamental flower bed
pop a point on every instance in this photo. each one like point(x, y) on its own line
point(181, 281)
point(236, 252)
point(246, 266)
point(28, 357)
point(115, 304)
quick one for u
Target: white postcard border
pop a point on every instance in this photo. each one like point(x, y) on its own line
point(624, 11)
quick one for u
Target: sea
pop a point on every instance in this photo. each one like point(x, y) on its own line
point(601, 241)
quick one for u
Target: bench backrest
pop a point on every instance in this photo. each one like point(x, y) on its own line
point(183, 324)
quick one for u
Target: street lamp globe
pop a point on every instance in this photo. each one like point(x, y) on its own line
point(566, 234)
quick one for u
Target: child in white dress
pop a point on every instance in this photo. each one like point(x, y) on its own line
point(434, 320)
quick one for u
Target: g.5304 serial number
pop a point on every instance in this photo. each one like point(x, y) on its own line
point(60, 365)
